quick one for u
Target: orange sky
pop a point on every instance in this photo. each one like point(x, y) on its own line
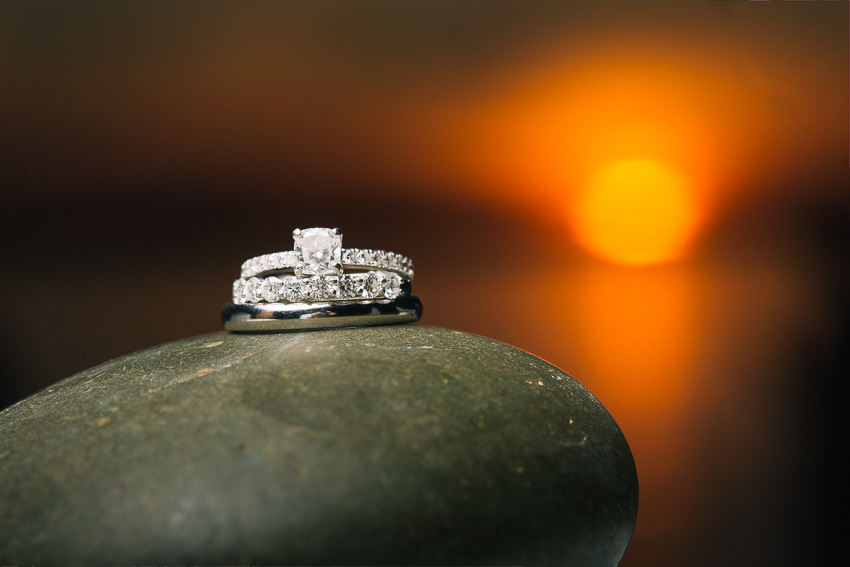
point(521, 112)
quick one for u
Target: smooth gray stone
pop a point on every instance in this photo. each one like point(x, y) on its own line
point(379, 445)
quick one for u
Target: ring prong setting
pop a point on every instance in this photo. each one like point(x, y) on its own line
point(318, 251)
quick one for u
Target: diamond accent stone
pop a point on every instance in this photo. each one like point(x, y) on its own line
point(309, 288)
point(270, 289)
point(238, 286)
point(392, 286)
point(250, 292)
point(327, 287)
point(319, 251)
point(291, 290)
point(351, 286)
point(373, 285)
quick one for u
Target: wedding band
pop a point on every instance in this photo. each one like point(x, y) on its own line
point(271, 317)
point(346, 287)
point(318, 251)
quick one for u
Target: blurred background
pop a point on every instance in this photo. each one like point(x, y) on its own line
point(651, 195)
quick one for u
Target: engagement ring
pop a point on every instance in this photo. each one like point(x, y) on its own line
point(319, 251)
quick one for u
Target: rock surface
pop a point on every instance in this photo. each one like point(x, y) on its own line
point(382, 445)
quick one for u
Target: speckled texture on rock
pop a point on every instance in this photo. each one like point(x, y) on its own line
point(382, 445)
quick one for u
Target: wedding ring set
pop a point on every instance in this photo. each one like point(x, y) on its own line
point(309, 287)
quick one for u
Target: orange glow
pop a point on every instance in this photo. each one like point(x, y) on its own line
point(637, 334)
point(635, 212)
point(536, 140)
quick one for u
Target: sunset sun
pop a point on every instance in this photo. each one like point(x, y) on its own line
point(635, 212)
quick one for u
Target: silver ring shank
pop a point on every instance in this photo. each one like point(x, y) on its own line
point(271, 317)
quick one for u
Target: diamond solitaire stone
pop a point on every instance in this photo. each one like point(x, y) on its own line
point(318, 251)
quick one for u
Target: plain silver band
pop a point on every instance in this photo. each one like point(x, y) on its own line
point(270, 317)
